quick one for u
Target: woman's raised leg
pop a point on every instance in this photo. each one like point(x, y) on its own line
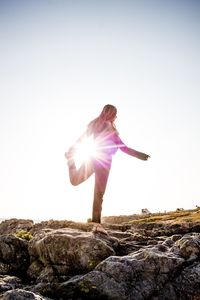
point(79, 175)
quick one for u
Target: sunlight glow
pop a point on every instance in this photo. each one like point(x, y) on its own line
point(85, 150)
point(99, 150)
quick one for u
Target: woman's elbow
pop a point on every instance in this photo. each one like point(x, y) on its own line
point(124, 149)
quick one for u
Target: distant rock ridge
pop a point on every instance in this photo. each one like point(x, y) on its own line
point(156, 260)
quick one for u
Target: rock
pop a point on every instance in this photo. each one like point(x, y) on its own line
point(14, 257)
point(167, 293)
point(154, 229)
point(188, 247)
point(152, 261)
point(132, 277)
point(95, 285)
point(119, 234)
point(187, 284)
point(49, 290)
point(9, 282)
point(15, 225)
point(20, 294)
point(54, 224)
point(66, 251)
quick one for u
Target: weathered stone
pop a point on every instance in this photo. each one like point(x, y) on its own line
point(187, 284)
point(188, 247)
point(55, 224)
point(49, 290)
point(14, 257)
point(9, 282)
point(166, 293)
point(35, 269)
point(15, 225)
point(94, 285)
point(153, 229)
point(19, 294)
point(133, 277)
point(148, 262)
point(68, 252)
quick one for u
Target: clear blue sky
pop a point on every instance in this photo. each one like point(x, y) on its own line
point(60, 63)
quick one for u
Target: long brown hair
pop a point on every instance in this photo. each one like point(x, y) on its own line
point(108, 113)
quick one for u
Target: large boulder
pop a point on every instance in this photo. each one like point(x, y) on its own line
point(66, 252)
point(132, 277)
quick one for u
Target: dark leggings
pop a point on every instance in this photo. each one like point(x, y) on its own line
point(101, 171)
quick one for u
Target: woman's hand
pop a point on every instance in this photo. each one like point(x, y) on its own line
point(142, 156)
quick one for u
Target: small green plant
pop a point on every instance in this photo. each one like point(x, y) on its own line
point(25, 235)
point(86, 287)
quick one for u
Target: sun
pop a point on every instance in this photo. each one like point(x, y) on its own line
point(85, 150)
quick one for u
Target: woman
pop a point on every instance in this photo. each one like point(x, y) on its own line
point(107, 142)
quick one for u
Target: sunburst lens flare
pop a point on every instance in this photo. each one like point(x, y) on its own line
point(85, 150)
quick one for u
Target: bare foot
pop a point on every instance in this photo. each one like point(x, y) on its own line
point(98, 228)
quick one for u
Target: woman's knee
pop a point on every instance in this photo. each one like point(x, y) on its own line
point(74, 181)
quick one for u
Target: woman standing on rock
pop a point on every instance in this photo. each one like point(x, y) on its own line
point(107, 141)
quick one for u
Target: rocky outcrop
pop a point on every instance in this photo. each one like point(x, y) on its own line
point(68, 260)
point(66, 252)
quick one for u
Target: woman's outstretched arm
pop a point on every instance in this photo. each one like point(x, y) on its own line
point(130, 151)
